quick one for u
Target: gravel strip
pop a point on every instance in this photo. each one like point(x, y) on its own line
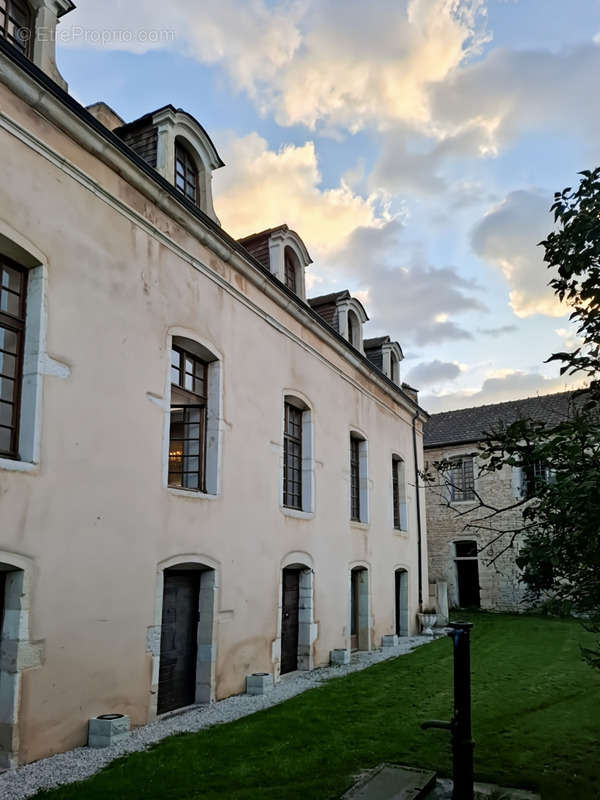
point(75, 765)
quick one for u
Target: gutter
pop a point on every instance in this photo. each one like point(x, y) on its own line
point(41, 93)
point(419, 525)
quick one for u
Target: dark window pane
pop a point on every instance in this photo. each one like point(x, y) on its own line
point(175, 358)
point(7, 389)
point(10, 303)
point(8, 340)
point(292, 457)
point(5, 439)
point(355, 479)
point(8, 365)
point(466, 549)
point(6, 411)
point(175, 376)
point(11, 279)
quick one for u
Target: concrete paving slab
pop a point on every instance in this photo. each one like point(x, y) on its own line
point(392, 782)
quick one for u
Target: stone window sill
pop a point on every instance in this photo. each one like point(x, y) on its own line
point(18, 466)
point(359, 526)
point(190, 493)
point(296, 513)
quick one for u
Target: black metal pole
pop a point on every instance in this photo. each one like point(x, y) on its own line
point(462, 740)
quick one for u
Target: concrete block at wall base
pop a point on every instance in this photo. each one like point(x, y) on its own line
point(259, 683)
point(340, 656)
point(389, 640)
point(114, 728)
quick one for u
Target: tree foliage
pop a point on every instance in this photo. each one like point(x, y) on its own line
point(558, 536)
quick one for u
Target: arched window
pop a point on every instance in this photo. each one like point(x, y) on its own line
point(186, 173)
point(15, 24)
point(298, 475)
point(194, 417)
point(290, 271)
point(395, 369)
point(359, 492)
point(399, 494)
point(13, 290)
point(351, 328)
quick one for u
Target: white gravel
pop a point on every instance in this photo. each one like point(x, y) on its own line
point(75, 765)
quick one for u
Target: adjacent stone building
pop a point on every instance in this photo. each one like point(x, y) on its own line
point(203, 475)
point(468, 561)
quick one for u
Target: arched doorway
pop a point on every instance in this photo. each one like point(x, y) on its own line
point(401, 601)
point(14, 636)
point(296, 618)
point(359, 609)
point(186, 656)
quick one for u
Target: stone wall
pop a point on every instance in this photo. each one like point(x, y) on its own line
point(500, 589)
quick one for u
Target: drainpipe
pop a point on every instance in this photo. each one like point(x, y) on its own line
point(419, 531)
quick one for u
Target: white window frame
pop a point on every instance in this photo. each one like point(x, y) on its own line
point(214, 413)
point(307, 511)
point(363, 478)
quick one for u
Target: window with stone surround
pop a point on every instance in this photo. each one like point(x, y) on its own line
point(462, 479)
point(186, 173)
point(16, 24)
point(359, 495)
point(195, 423)
point(399, 494)
point(13, 290)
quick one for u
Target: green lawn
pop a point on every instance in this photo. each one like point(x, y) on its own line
point(536, 723)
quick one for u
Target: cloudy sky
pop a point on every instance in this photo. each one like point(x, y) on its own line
point(414, 145)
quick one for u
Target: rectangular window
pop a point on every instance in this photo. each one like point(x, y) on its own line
point(187, 441)
point(399, 491)
point(462, 479)
point(292, 457)
point(13, 289)
point(355, 479)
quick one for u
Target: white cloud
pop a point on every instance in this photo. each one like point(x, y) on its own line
point(307, 61)
point(263, 188)
point(433, 373)
point(507, 237)
point(408, 298)
point(514, 384)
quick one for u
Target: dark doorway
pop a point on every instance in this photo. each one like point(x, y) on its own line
point(2, 600)
point(178, 640)
point(401, 597)
point(354, 608)
point(289, 620)
point(467, 573)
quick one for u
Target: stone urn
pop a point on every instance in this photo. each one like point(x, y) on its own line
point(427, 619)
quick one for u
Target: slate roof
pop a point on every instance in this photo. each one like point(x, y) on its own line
point(470, 424)
point(323, 299)
point(372, 344)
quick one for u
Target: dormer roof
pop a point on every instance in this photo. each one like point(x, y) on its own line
point(177, 115)
point(258, 244)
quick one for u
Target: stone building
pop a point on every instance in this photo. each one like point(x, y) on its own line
point(466, 560)
point(203, 475)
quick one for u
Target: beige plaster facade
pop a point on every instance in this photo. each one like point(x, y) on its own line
point(88, 525)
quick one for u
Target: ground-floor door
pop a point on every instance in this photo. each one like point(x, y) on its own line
point(178, 640)
point(467, 572)
point(354, 608)
point(289, 620)
point(401, 597)
point(2, 596)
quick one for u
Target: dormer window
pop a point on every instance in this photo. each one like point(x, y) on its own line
point(353, 329)
point(290, 273)
point(15, 24)
point(186, 174)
